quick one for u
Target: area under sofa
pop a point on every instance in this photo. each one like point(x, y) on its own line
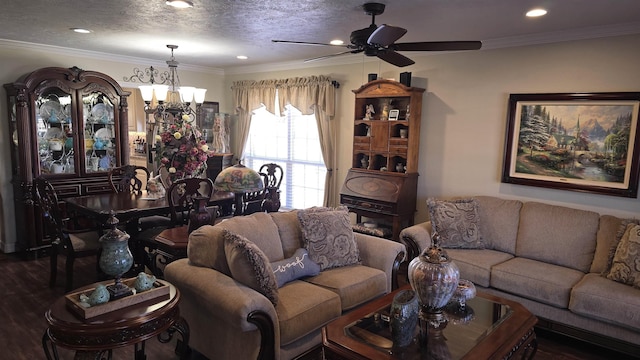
point(230, 320)
point(550, 259)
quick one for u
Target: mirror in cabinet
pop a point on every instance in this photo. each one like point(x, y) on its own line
point(99, 132)
point(54, 132)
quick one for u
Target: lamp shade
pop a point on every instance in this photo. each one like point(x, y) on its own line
point(238, 179)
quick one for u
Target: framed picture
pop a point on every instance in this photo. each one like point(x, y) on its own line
point(581, 142)
point(393, 114)
point(205, 118)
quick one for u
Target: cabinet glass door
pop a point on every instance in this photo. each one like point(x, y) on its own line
point(99, 132)
point(54, 132)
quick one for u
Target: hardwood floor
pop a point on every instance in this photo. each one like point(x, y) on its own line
point(25, 296)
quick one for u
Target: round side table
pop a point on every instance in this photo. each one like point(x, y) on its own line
point(94, 337)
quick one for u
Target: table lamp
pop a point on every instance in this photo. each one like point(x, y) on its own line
point(240, 180)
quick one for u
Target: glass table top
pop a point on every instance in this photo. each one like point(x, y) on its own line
point(464, 329)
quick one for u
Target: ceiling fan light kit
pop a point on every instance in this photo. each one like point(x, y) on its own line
point(380, 41)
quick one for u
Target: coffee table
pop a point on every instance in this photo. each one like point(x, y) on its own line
point(489, 328)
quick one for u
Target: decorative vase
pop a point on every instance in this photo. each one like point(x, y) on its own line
point(116, 258)
point(199, 215)
point(434, 277)
point(403, 317)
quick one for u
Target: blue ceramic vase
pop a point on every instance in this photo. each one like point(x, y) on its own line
point(403, 317)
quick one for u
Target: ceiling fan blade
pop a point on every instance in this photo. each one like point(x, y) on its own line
point(333, 55)
point(438, 46)
point(386, 35)
point(394, 58)
point(305, 43)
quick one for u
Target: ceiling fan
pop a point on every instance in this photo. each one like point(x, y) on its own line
point(380, 41)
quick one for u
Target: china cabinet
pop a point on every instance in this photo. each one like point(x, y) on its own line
point(382, 182)
point(70, 126)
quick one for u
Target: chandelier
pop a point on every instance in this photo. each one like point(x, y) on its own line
point(173, 100)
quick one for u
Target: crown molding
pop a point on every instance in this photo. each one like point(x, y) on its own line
point(95, 55)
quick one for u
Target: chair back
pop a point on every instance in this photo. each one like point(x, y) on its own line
point(273, 175)
point(128, 178)
point(182, 194)
point(47, 202)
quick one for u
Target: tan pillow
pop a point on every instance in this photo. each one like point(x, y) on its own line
point(614, 245)
point(250, 266)
point(626, 262)
point(457, 223)
point(328, 237)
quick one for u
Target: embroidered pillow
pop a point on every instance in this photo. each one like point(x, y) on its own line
point(456, 221)
point(297, 266)
point(328, 237)
point(249, 265)
point(614, 245)
point(626, 262)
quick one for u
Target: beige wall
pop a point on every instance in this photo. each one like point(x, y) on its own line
point(464, 109)
point(19, 59)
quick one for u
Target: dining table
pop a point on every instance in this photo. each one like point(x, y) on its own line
point(129, 208)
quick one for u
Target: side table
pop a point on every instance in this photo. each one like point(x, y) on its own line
point(133, 325)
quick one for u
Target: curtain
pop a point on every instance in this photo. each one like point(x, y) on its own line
point(311, 95)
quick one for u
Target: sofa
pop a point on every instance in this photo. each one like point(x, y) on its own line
point(552, 259)
point(237, 310)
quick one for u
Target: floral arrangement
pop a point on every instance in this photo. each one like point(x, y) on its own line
point(183, 151)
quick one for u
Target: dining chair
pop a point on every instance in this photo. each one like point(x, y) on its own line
point(129, 178)
point(273, 179)
point(71, 243)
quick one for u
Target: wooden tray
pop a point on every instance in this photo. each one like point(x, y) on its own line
point(160, 291)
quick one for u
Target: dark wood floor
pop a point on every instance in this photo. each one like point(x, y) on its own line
point(25, 296)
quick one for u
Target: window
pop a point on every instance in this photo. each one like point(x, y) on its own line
point(292, 142)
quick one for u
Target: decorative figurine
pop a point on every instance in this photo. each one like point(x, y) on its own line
point(369, 111)
point(155, 189)
point(144, 282)
point(385, 112)
point(99, 295)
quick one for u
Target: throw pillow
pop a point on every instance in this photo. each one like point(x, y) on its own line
point(456, 221)
point(297, 266)
point(249, 265)
point(626, 263)
point(614, 245)
point(328, 237)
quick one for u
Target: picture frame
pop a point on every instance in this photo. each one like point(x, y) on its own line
point(586, 142)
point(394, 114)
point(206, 114)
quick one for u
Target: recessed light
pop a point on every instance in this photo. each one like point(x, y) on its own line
point(336, 42)
point(81, 30)
point(181, 4)
point(241, 57)
point(536, 12)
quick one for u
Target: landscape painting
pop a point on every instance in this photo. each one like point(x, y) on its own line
point(582, 142)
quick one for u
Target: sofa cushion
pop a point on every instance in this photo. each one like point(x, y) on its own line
point(250, 266)
point(626, 262)
point(475, 265)
point(260, 229)
point(622, 228)
point(457, 223)
point(304, 308)
point(606, 236)
point(354, 285)
point(536, 280)
point(499, 219)
point(295, 267)
point(557, 235)
point(328, 237)
point(606, 300)
point(289, 230)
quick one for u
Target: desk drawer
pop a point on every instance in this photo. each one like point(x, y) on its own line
point(368, 205)
point(67, 190)
point(98, 188)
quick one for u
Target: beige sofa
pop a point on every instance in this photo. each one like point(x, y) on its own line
point(550, 259)
point(230, 320)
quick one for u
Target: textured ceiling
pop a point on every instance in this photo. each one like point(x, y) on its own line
point(213, 32)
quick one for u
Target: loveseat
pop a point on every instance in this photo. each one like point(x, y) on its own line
point(549, 258)
point(236, 311)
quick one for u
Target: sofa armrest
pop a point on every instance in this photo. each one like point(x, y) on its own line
point(382, 254)
point(216, 302)
point(416, 238)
